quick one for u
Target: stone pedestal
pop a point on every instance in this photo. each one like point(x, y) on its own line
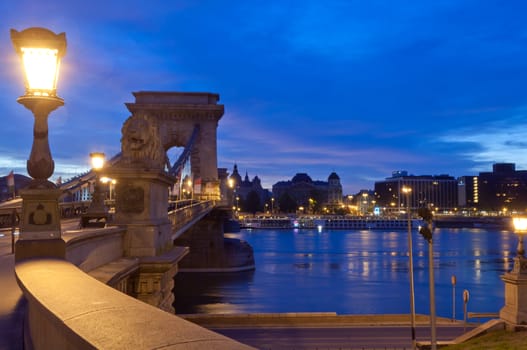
point(515, 310)
point(155, 281)
point(40, 232)
point(141, 198)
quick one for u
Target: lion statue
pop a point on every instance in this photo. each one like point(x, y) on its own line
point(140, 143)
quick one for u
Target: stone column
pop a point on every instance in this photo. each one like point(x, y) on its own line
point(141, 199)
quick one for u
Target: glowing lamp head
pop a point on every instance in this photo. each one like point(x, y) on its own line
point(97, 160)
point(520, 224)
point(41, 51)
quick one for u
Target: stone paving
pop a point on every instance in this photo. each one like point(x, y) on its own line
point(11, 302)
point(12, 305)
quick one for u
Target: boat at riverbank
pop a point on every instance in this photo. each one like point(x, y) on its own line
point(327, 222)
point(339, 222)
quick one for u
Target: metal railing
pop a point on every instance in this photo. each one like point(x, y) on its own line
point(182, 214)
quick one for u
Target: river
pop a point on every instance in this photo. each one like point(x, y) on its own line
point(355, 272)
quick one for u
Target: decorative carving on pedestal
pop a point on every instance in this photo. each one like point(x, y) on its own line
point(155, 281)
point(131, 198)
point(520, 266)
point(515, 310)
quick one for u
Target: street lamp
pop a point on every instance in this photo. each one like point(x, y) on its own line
point(40, 51)
point(514, 313)
point(111, 185)
point(407, 191)
point(97, 210)
point(520, 227)
point(427, 231)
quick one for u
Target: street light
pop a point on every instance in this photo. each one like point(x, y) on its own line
point(40, 52)
point(427, 231)
point(111, 185)
point(97, 209)
point(514, 313)
point(520, 227)
point(407, 191)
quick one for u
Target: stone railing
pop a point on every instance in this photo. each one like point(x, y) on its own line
point(72, 305)
point(67, 309)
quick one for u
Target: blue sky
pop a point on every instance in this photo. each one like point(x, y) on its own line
point(361, 88)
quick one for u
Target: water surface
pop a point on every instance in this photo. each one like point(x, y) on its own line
point(355, 272)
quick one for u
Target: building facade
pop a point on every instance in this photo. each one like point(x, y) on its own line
point(504, 189)
point(312, 195)
point(439, 192)
point(242, 187)
point(468, 192)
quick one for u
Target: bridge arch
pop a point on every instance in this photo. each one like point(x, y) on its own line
point(182, 117)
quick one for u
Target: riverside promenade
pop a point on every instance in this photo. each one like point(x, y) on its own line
point(12, 305)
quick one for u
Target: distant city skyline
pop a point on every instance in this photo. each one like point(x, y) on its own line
point(357, 88)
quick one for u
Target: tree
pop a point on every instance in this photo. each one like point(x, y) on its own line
point(253, 203)
point(287, 204)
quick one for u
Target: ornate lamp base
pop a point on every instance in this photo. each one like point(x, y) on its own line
point(515, 310)
point(40, 232)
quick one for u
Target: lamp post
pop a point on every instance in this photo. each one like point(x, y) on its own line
point(520, 227)
point(407, 191)
point(514, 313)
point(40, 51)
point(97, 210)
point(427, 231)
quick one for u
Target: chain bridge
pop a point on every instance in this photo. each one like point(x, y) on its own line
point(159, 218)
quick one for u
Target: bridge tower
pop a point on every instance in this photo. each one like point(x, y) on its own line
point(159, 121)
point(180, 117)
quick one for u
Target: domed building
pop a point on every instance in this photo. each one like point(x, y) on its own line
point(309, 193)
point(334, 190)
point(243, 187)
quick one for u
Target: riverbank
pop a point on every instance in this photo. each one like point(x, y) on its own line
point(309, 319)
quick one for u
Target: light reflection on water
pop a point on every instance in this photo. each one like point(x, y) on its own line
point(353, 272)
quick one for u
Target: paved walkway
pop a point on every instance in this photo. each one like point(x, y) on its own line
point(12, 305)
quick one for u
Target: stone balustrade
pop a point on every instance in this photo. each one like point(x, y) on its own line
point(68, 309)
point(72, 305)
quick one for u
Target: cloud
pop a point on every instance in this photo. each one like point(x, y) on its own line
point(493, 142)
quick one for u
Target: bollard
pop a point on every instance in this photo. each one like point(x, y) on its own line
point(466, 297)
point(14, 220)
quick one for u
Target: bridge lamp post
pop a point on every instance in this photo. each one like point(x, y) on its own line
point(190, 190)
point(111, 185)
point(97, 203)
point(40, 51)
point(97, 210)
point(514, 312)
point(407, 191)
point(520, 227)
